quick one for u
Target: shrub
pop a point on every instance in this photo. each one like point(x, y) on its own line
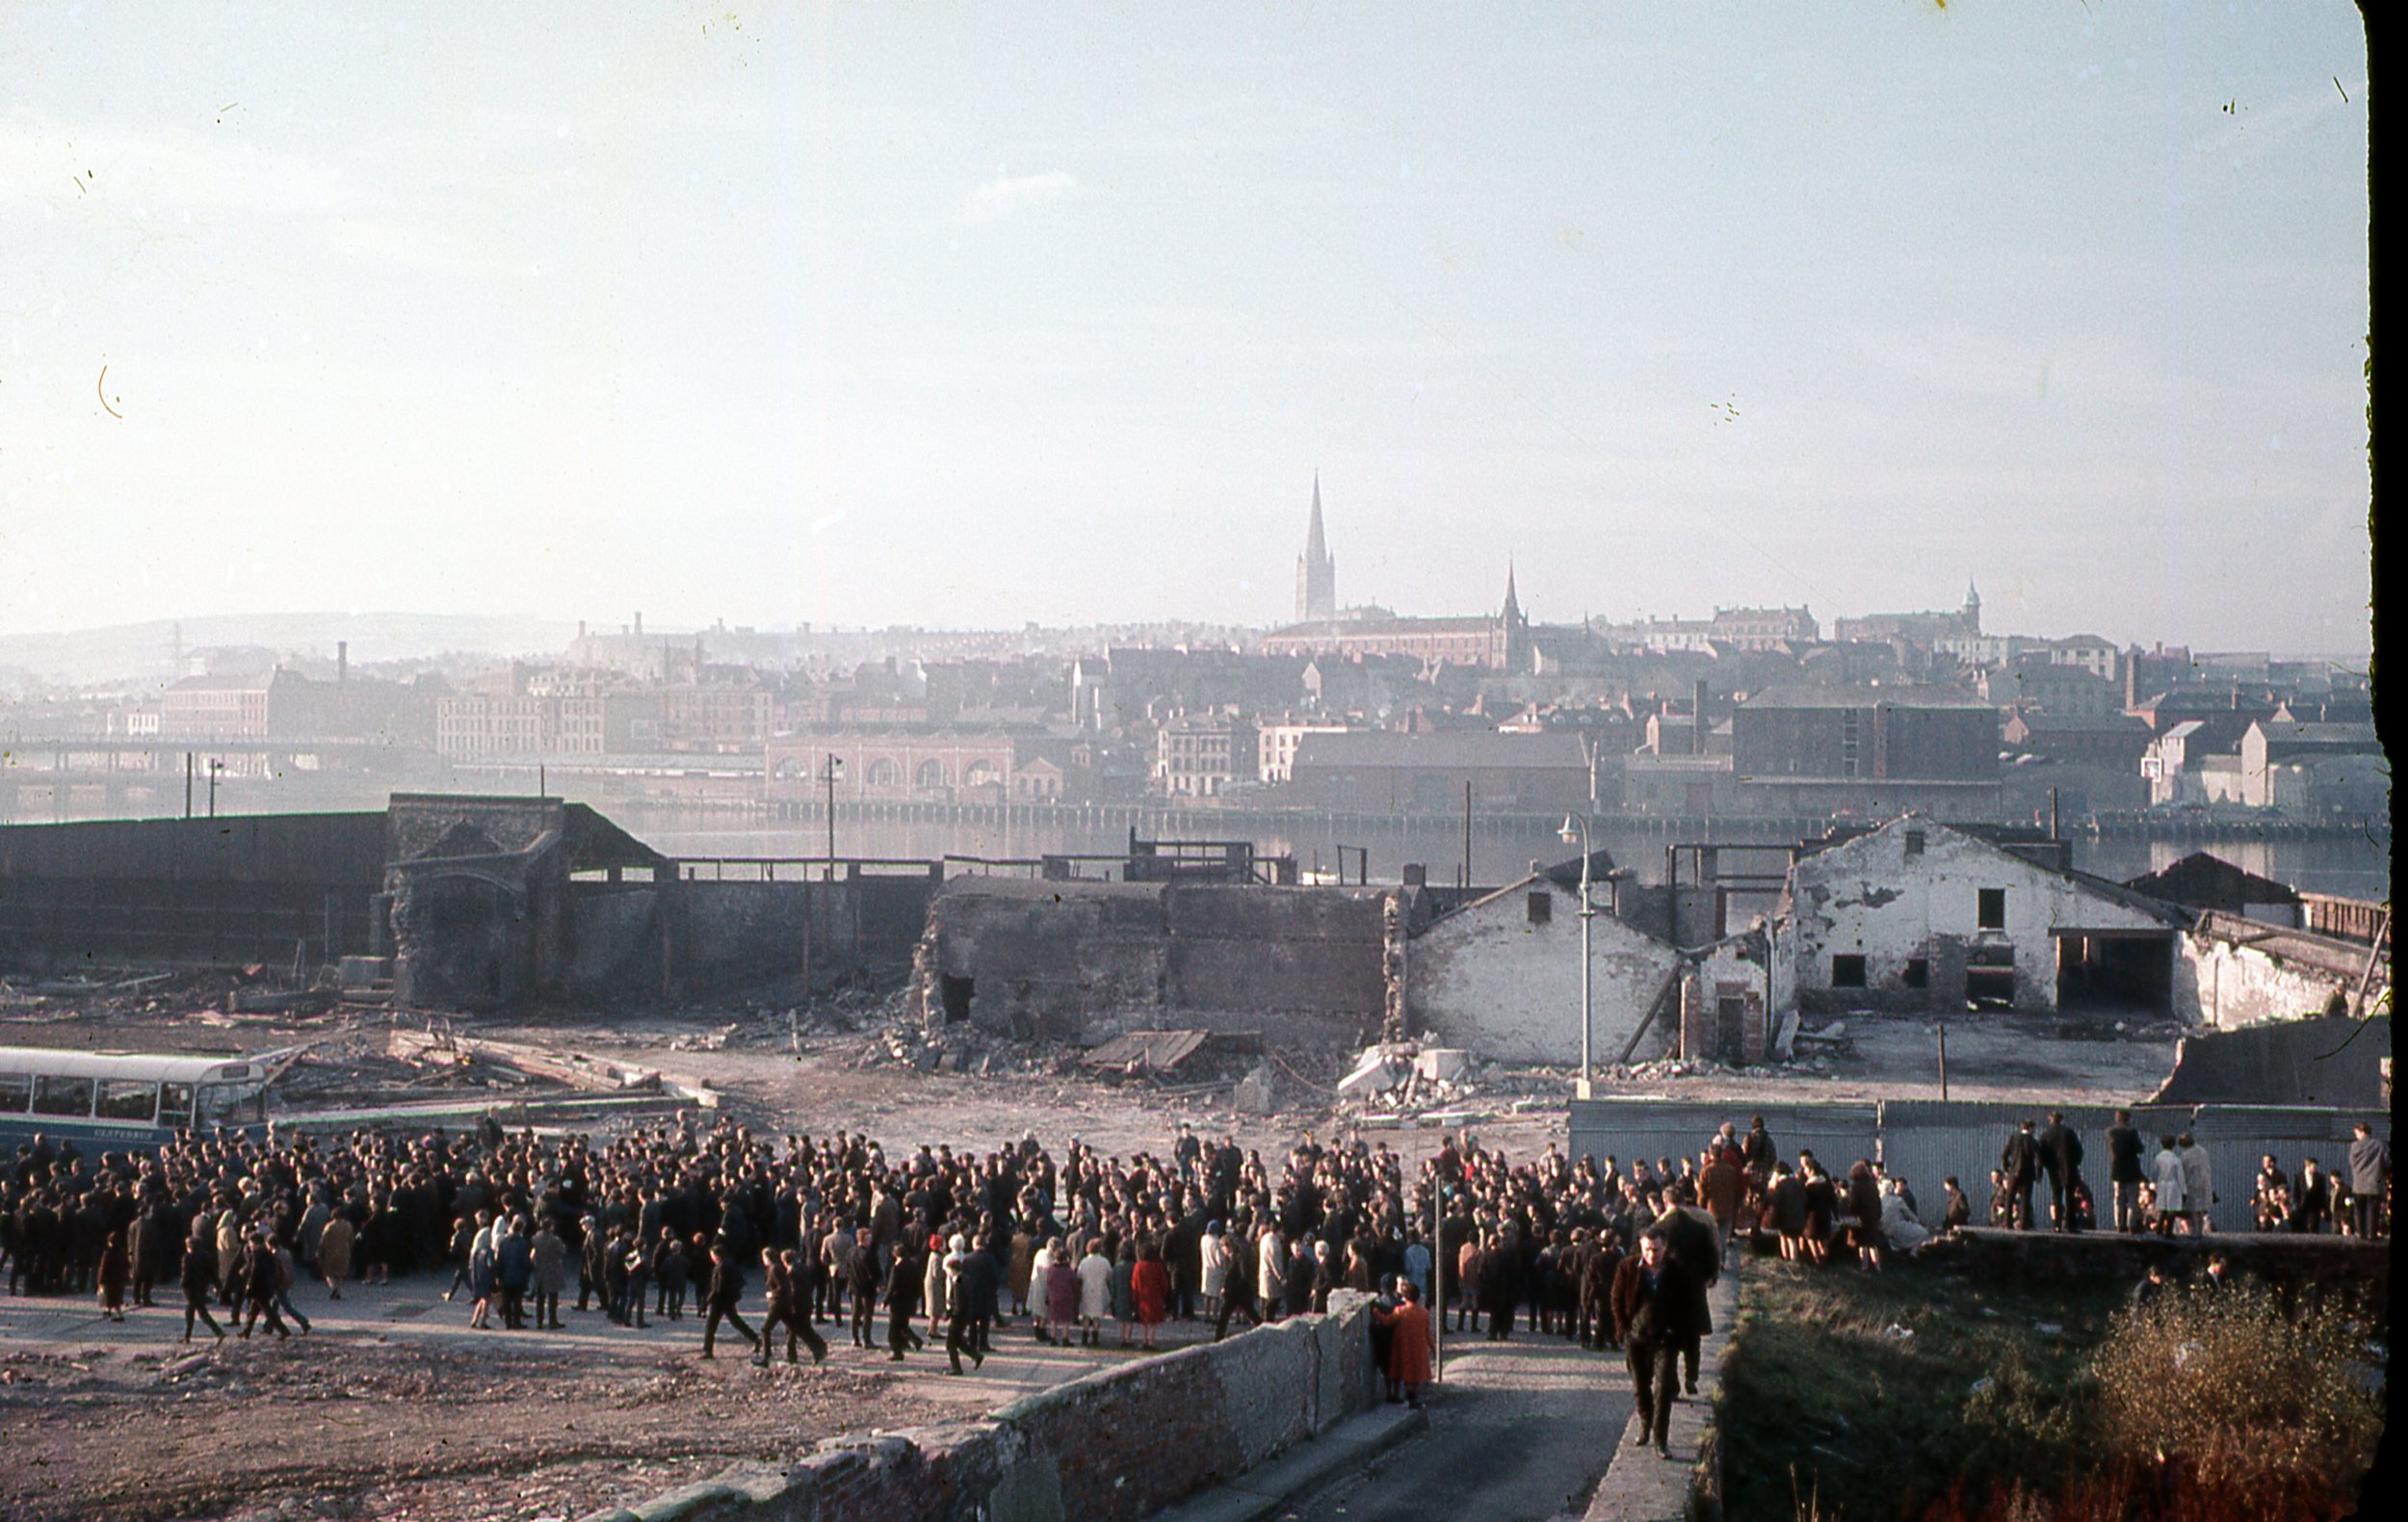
point(2221, 1388)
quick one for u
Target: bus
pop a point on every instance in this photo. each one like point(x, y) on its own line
point(115, 1101)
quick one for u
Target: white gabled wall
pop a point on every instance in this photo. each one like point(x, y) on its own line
point(1873, 898)
point(1489, 980)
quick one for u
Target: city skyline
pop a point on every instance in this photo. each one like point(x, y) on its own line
point(918, 318)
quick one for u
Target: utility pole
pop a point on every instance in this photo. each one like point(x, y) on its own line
point(1437, 1281)
point(188, 784)
point(216, 765)
point(1467, 833)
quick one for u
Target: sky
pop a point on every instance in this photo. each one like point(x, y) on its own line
point(976, 316)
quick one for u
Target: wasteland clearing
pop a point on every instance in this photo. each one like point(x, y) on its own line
point(393, 1409)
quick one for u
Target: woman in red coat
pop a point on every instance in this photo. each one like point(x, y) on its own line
point(1408, 1346)
point(1150, 1287)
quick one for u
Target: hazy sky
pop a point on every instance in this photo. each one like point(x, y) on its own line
point(979, 315)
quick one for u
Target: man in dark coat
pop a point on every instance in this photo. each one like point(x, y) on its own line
point(783, 1303)
point(861, 1283)
point(1597, 1271)
point(1652, 1300)
point(719, 1301)
point(2125, 1171)
point(1689, 1238)
point(201, 1282)
point(2061, 1158)
point(2020, 1161)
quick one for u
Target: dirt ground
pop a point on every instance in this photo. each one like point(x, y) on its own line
point(382, 1413)
point(344, 1427)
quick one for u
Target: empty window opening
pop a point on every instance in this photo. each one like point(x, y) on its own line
point(1542, 907)
point(1918, 973)
point(1847, 971)
point(1990, 914)
point(1990, 987)
point(1914, 842)
point(955, 993)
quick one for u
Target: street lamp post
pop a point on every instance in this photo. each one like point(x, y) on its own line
point(828, 775)
point(1575, 831)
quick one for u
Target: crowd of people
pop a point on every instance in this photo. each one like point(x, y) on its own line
point(950, 1247)
point(2171, 1191)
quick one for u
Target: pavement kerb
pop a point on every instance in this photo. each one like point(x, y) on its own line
point(1304, 1468)
point(1638, 1485)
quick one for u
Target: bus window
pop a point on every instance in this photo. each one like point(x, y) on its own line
point(63, 1096)
point(128, 1099)
point(230, 1104)
point(16, 1088)
point(175, 1105)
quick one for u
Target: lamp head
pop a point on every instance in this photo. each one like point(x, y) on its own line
point(1570, 833)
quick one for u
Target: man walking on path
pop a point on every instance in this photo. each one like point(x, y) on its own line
point(1651, 1299)
point(726, 1291)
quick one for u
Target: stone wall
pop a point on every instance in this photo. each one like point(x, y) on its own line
point(2241, 985)
point(1115, 1446)
point(1087, 962)
point(2313, 1265)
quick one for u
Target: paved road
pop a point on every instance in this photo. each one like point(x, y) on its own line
point(1519, 1432)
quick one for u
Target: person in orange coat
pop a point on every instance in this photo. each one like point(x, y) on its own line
point(1408, 1346)
point(1149, 1285)
point(1721, 1188)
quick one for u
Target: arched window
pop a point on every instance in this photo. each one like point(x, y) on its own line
point(790, 769)
point(981, 774)
point(931, 774)
point(884, 772)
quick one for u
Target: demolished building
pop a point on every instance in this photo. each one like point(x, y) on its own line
point(1918, 916)
point(1085, 961)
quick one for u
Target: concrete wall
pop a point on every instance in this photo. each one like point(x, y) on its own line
point(1875, 897)
point(1115, 1446)
point(1085, 961)
point(647, 940)
point(1494, 981)
point(190, 892)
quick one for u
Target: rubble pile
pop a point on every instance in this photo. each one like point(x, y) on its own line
point(955, 1049)
point(1411, 1080)
point(256, 993)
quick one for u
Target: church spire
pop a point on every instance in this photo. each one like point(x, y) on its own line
point(1316, 571)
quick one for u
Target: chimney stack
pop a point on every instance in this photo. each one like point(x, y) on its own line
point(640, 620)
point(1698, 730)
point(342, 660)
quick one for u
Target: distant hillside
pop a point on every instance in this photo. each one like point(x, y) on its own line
point(140, 653)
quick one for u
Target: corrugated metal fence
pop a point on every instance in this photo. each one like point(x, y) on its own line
point(1926, 1141)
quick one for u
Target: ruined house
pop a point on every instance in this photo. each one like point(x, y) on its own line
point(1500, 976)
point(1917, 916)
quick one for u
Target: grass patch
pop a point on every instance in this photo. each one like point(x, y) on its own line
point(1867, 1397)
point(1921, 1394)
